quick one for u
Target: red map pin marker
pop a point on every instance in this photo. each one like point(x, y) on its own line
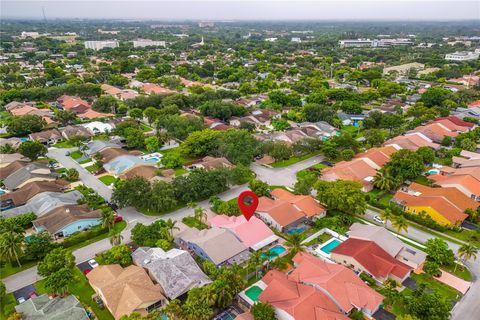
point(248, 203)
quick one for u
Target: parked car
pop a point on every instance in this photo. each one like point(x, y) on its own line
point(378, 219)
point(86, 271)
point(21, 300)
point(92, 263)
point(118, 219)
point(32, 295)
point(327, 163)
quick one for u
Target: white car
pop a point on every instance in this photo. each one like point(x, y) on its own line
point(92, 263)
point(378, 219)
point(21, 300)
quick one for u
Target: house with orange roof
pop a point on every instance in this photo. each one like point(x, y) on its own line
point(153, 88)
point(474, 104)
point(456, 121)
point(294, 300)
point(433, 203)
point(467, 184)
point(367, 256)
point(341, 284)
point(287, 211)
point(435, 131)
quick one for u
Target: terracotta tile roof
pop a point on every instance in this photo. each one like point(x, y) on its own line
point(380, 156)
point(435, 131)
point(124, 289)
point(412, 142)
point(458, 122)
point(354, 170)
point(373, 258)
point(155, 88)
point(307, 204)
point(474, 104)
point(341, 283)
point(23, 110)
point(466, 181)
point(450, 125)
point(439, 204)
point(470, 171)
point(92, 114)
point(453, 195)
point(280, 210)
point(75, 103)
point(298, 300)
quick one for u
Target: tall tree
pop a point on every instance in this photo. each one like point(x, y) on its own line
point(11, 246)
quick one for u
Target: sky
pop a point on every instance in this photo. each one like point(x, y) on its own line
point(244, 10)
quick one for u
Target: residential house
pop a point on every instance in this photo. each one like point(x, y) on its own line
point(351, 119)
point(435, 132)
point(15, 105)
point(29, 190)
point(19, 173)
point(462, 113)
point(259, 117)
point(13, 142)
point(80, 107)
point(44, 202)
point(288, 211)
point(253, 233)
point(66, 220)
point(205, 244)
point(367, 256)
point(215, 124)
point(123, 162)
point(97, 127)
point(70, 132)
point(294, 300)
point(362, 168)
point(45, 114)
point(152, 88)
point(47, 137)
point(412, 141)
point(340, 284)
point(209, 163)
point(321, 130)
point(6, 159)
point(45, 308)
point(126, 290)
point(390, 243)
point(122, 94)
point(96, 146)
point(147, 172)
point(174, 270)
point(467, 184)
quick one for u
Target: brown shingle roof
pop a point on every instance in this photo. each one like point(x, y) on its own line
point(11, 168)
point(25, 193)
point(111, 153)
point(60, 217)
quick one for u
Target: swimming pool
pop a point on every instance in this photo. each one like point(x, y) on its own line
point(2, 192)
point(274, 252)
point(297, 230)
point(152, 159)
point(330, 246)
point(253, 293)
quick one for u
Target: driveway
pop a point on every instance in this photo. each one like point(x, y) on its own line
point(285, 176)
point(24, 292)
point(86, 177)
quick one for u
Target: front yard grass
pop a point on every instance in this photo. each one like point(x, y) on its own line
point(64, 144)
point(194, 223)
point(180, 171)
point(107, 180)
point(8, 268)
point(460, 271)
point(80, 288)
point(292, 160)
point(76, 154)
point(94, 167)
point(85, 161)
point(156, 213)
point(7, 306)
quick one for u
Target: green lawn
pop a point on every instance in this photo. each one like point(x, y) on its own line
point(108, 180)
point(64, 144)
point(94, 167)
point(176, 151)
point(292, 160)
point(180, 171)
point(76, 154)
point(102, 136)
point(465, 235)
point(423, 180)
point(145, 128)
point(7, 306)
point(461, 272)
point(304, 172)
point(85, 161)
point(351, 129)
point(83, 291)
point(194, 223)
point(156, 213)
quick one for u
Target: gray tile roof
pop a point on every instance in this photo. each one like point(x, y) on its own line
point(44, 202)
point(98, 145)
point(43, 308)
point(175, 270)
point(28, 172)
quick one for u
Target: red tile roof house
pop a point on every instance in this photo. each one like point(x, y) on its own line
point(286, 210)
point(367, 256)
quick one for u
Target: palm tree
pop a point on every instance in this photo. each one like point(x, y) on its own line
point(384, 180)
point(116, 239)
point(466, 252)
point(171, 225)
point(255, 260)
point(11, 246)
point(400, 223)
point(200, 214)
point(386, 215)
point(108, 219)
point(294, 242)
point(225, 293)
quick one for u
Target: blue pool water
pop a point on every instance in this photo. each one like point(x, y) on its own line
point(152, 159)
point(24, 139)
point(274, 252)
point(297, 230)
point(330, 246)
point(2, 192)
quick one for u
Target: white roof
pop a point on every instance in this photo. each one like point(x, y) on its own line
point(97, 126)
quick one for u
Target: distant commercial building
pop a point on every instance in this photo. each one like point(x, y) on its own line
point(206, 24)
point(463, 55)
point(140, 43)
point(296, 40)
point(99, 45)
point(375, 43)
